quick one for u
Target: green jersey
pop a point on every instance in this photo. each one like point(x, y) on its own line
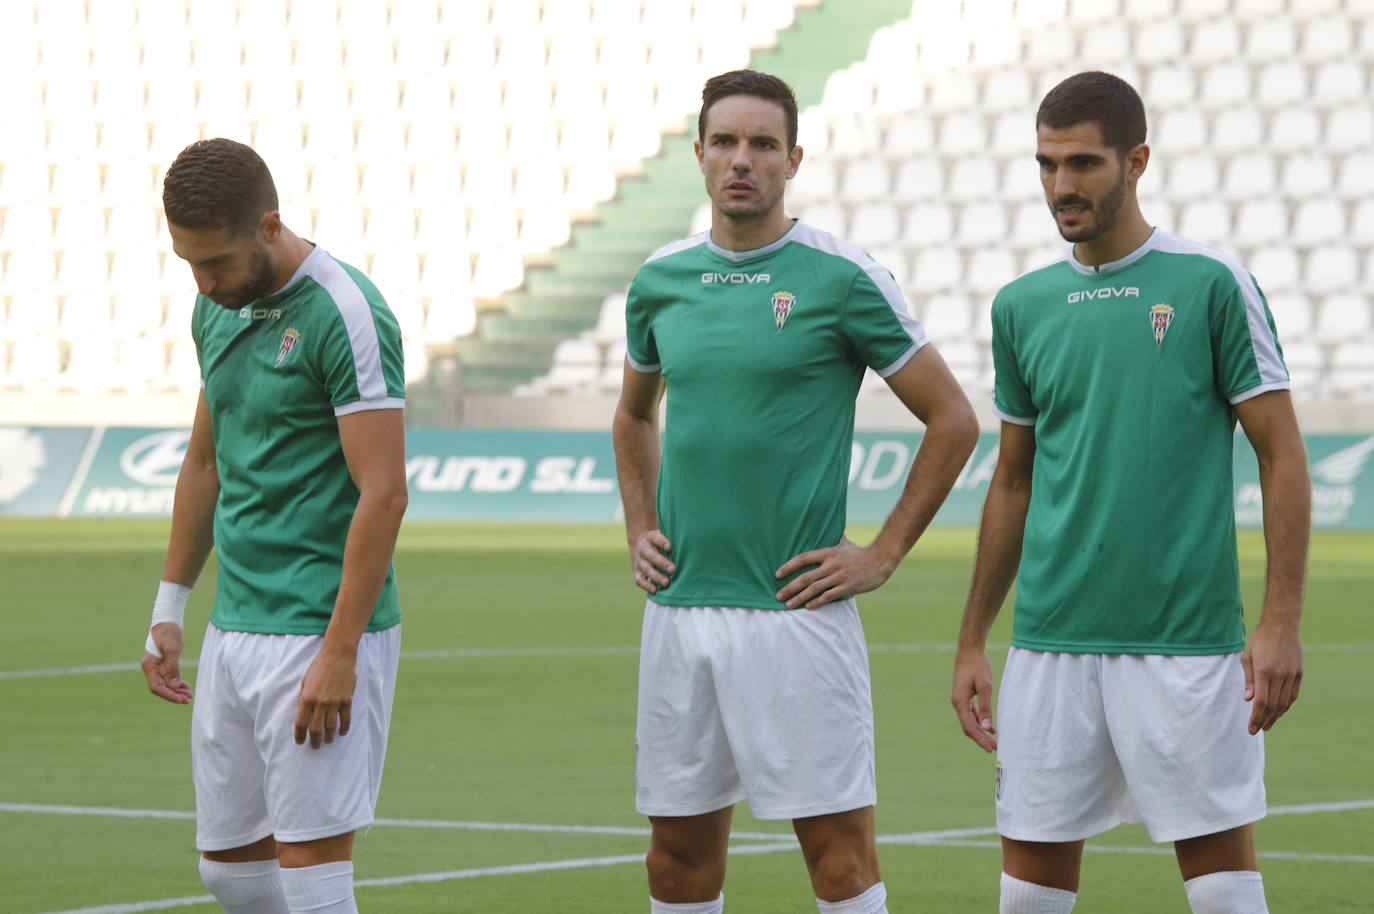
point(1129, 371)
point(762, 352)
point(277, 373)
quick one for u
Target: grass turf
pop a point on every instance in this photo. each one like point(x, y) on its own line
point(547, 739)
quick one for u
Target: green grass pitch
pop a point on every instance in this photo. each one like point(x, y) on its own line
point(493, 736)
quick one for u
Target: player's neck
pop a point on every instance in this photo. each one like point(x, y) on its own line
point(1128, 232)
point(748, 234)
point(292, 251)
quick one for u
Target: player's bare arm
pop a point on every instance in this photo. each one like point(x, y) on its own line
point(192, 537)
point(634, 432)
point(1273, 654)
point(999, 554)
point(374, 448)
point(927, 388)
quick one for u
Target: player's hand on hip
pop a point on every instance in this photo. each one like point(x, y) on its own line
point(326, 698)
point(1272, 660)
point(840, 571)
point(972, 697)
point(649, 560)
point(164, 673)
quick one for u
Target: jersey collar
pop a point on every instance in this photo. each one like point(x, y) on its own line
point(1149, 245)
point(308, 266)
point(739, 256)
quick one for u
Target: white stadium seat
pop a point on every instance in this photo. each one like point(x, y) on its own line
point(874, 224)
point(1330, 269)
point(1306, 175)
point(1281, 83)
point(946, 317)
point(1338, 81)
point(1343, 316)
point(1350, 128)
point(1319, 220)
point(937, 268)
point(1206, 221)
point(1261, 221)
point(919, 179)
point(865, 180)
point(1292, 314)
point(1215, 41)
point(972, 178)
point(927, 224)
point(1276, 267)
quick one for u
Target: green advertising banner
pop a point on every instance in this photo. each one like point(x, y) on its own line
point(481, 474)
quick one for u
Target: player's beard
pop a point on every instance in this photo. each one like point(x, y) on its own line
point(1104, 213)
point(255, 286)
point(742, 211)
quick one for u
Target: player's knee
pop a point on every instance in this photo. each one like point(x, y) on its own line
point(673, 869)
point(247, 885)
point(841, 873)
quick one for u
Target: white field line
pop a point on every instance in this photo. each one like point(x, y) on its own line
point(475, 653)
point(947, 838)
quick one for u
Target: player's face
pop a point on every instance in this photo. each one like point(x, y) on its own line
point(231, 269)
point(744, 156)
point(1085, 181)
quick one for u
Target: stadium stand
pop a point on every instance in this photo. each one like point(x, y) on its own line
point(1262, 138)
point(500, 167)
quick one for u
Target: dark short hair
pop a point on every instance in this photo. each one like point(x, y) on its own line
point(749, 82)
point(218, 184)
point(1100, 98)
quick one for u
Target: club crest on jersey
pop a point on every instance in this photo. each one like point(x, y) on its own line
point(1161, 316)
point(288, 342)
point(999, 778)
point(782, 306)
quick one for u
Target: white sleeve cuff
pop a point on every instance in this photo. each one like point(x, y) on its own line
point(1014, 420)
point(359, 406)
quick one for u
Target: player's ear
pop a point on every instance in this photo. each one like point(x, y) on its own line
point(1136, 161)
point(269, 226)
point(794, 160)
point(701, 159)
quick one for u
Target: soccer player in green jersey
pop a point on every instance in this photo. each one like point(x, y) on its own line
point(295, 474)
point(753, 668)
point(1121, 371)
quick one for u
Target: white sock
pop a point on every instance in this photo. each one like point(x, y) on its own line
point(1232, 892)
point(696, 907)
point(244, 888)
point(872, 901)
point(326, 888)
point(1021, 897)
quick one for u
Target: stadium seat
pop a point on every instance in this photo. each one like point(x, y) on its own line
point(1226, 83)
point(1306, 175)
point(1292, 312)
point(1356, 179)
point(873, 224)
point(815, 180)
point(1169, 85)
point(910, 134)
point(945, 317)
point(1305, 365)
point(865, 180)
point(981, 223)
point(35, 363)
point(1282, 83)
point(1294, 129)
point(1276, 267)
point(576, 365)
point(1191, 176)
point(1319, 220)
point(1338, 81)
point(1330, 269)
point(1326, 37)
point(937, 268)
point(1352, 370)
point(1007, 89)
point(1248, 176)
point(972, 179)
point(1261, 221)
point(827, 216)
point(989, 269)
point(927, 224)
point(962, 134)
point(1206, 221)
point(1362, 223)
point(1343, 316)
point(1350, 128)
point(1182, 130)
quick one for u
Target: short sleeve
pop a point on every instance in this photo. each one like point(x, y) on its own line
point(641, 350)
point(1011, 396)
point(1245, 347)
point(877, 324)
point(361, 359)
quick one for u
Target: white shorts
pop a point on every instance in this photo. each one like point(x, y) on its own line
point(1087, 742)
point(773, 705)
point(252, 780)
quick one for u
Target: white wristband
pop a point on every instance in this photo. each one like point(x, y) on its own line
point(169, 606)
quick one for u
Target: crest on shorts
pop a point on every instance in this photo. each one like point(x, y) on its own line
point(782, 306)
point(1161, 316)
point(999, 778)
point(288, 342)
